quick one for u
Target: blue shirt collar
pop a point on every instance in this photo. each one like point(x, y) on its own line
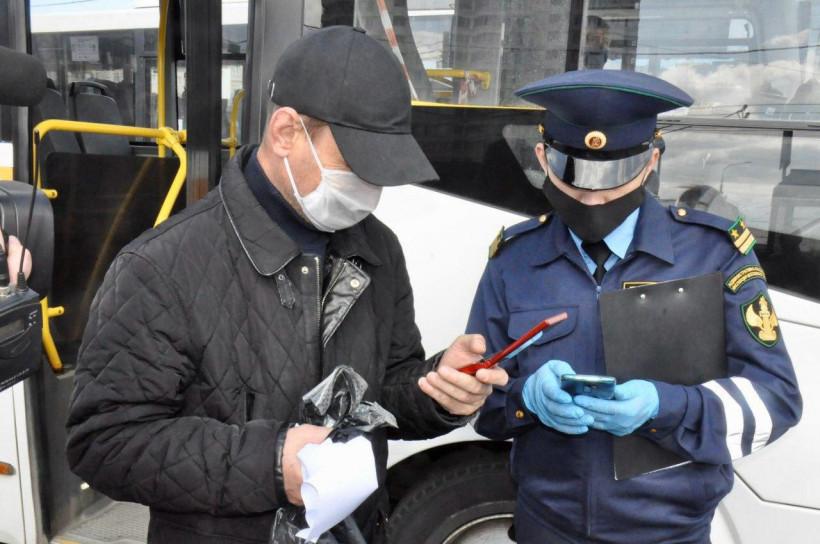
point(619, 239)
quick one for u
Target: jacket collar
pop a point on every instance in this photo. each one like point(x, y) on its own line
point(267, 247)
point(653, 233)
point(652, 236)
point(353, 242)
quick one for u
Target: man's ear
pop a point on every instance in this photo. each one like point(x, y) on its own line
point(656, 155)
point(281, 133)
point(541, 155)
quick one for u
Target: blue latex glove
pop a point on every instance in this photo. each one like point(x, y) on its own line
point(544, 397)
point(635, 403)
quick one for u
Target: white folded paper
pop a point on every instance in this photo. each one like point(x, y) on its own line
point(337, 478)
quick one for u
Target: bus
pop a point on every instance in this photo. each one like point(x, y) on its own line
point(750, 146)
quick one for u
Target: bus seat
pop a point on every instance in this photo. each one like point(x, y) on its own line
point(53, 107)
point(123, 95)
point(105, 202)
point(97, 106)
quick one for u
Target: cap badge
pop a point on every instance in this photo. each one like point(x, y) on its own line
point(595, 139)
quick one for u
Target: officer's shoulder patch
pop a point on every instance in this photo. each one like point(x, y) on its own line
point(741, 236)
point(737, 231)
point(760, 320)
point(744, 275)
point(505, 235)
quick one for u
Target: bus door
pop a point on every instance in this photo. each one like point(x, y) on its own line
point(107, 185)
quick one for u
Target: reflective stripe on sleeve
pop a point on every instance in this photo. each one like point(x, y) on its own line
point(734, 418)
point(763, 421)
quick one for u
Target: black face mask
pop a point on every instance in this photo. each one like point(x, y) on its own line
point(592, 223)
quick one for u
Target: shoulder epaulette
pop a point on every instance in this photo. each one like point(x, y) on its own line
point(505, 235)
point(737, 231)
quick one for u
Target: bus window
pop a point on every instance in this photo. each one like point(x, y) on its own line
point(755, 60)
point(107, 46)
point(478, 53)
point(234, 48)
point(115, 44)
point(770, 177)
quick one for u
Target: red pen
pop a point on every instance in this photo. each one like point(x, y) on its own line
point(522, 343)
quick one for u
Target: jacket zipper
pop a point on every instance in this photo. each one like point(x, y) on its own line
point(318, 299)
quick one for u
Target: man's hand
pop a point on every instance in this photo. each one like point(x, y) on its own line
point(13, 254)
point(457, 392)
point(544, 397)
point(295, 440)
point(635, 402)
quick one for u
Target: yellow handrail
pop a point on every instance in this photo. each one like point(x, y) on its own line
point(163, 135)
point(232, 141)
point(442, 73)
point(163, 25)
point(48, 341)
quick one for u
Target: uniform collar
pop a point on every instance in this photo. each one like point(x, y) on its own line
point(266, 245)
point(618, 240)
point(652, 235)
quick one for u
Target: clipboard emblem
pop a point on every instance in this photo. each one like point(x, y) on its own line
point(631, 284)
point(760, 320)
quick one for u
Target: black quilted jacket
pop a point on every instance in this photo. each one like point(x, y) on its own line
point(200, 342)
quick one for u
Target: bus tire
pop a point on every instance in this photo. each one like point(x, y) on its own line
point(452, 501)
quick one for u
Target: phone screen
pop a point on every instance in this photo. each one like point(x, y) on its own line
point(602, 387)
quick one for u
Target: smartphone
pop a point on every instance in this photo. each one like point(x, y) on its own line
point(602, 387)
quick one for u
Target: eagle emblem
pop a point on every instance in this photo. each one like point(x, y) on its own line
point(760, 320)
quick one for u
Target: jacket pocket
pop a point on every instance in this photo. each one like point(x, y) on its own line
point(521, 322)
point(554, 343)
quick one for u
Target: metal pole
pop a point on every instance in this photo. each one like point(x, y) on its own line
point(203, 88)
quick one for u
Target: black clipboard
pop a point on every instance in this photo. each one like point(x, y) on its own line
point(672, 332)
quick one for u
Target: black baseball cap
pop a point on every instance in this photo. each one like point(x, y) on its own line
point(347, 79)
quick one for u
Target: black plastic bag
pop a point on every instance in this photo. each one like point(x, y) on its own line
point(337, 403)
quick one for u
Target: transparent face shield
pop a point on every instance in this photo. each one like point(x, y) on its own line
point(596, 175)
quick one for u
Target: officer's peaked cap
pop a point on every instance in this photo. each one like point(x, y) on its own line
point(602, 113)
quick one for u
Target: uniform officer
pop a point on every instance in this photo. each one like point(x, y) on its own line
point(607, 233)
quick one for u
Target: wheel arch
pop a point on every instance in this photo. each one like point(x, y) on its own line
point(403, 475)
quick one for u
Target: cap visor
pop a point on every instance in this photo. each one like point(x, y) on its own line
point(383, 159)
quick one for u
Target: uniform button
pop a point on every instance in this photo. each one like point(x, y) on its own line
point(305, 270)
point(519, 414)
point(653, 430)
point(681, 212)
point(542, 218)
point(354, 283)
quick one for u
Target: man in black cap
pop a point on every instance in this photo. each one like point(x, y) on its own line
point(208, 330)
point(608, 234)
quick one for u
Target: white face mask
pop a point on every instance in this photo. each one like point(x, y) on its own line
point(341, 200)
